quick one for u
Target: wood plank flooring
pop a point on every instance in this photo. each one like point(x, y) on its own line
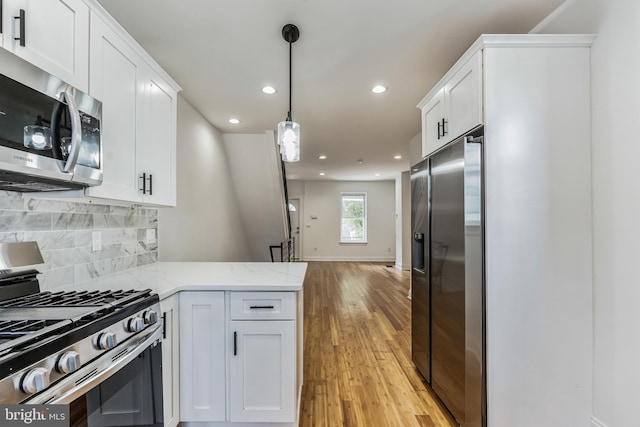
point(357, 350)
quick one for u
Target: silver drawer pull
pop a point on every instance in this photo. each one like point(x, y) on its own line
point(254, 307)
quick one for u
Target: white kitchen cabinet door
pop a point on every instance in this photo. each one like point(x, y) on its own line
point(171, 360)
point(202, 356)
point(463, 99)
point(116, 75)
point(55, 38)
point(156, 151)
point(433, 121)
point(262, 371)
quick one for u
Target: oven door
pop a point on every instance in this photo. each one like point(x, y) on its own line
point(122, 388)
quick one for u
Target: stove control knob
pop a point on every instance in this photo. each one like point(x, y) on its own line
point(135, 324)
point(68, 362)
point(35, 380)
point(150, 317)
point(107, 341)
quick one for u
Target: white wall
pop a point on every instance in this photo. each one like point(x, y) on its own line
point(205, 225)
point(415, 149)
point(322, 235)
point(403, 220)
point(254, 161)
point(615, 65)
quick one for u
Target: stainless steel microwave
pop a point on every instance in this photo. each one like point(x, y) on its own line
point(50, 132)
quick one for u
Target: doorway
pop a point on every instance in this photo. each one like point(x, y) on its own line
point(294, 213)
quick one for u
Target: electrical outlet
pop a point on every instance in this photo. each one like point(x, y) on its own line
point(388, 249)
point(151, 236)
point(96, 241)
point(315, 249)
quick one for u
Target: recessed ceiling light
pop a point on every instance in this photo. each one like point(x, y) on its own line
point(321, 173)
point(269, 90)
point(379, 89)
point(322, 157)
point(397, 157)
point(377, 174)
point(360, 161)
point(234, 121)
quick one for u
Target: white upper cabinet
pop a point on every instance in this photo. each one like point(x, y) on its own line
point(51, 34)
point(453, 107)
point(432, 123)
point(139, 109)
point(463, 98)
point(116, 80)
point(156, 151)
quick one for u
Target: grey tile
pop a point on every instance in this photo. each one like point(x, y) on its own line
point(148, 258)
point(20, 221)
point(82, 238)
point(116, 250)
point(52, 279)
point(72, 221)
point(10, 202)
point(49, 205)
point(147, 247)
point(70, 257)
point(50, 240)
point(92, 208)
point(124, 263)
point(122, 210)
point(12, 236)
point(108, 221)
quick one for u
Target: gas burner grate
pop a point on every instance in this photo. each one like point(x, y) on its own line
point(10, 329)
point(74, 299)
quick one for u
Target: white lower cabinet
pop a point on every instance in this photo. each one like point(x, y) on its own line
point(262, 367)
point(171, 360)
point(239, 358)
point(202, 356)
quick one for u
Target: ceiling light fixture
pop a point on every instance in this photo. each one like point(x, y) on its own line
point(269, 90)
point(288, 130)
point(379, 89)
point(321, 173)
point(397, 157)
point(322, 157)
point(377, 174)
point(234, 121)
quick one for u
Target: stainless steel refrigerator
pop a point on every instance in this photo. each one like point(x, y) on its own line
point(447, 276)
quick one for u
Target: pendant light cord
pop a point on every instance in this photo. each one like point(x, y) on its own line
point(290, 90)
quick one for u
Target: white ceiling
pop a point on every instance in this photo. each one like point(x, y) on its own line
point(222, 52)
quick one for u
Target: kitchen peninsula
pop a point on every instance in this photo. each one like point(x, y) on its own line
point(232, 347)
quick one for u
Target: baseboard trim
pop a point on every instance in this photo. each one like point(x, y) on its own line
point(597, 423)
point(350, 259)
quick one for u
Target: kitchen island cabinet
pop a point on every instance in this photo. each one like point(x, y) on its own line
point(202, 304)
point(171, 360)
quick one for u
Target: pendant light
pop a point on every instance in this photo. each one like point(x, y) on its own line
point(288, 130)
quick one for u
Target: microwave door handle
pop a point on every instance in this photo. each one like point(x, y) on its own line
point(76, 131)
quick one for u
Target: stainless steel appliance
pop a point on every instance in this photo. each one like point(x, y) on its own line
point(99, 351)
point(447, 277)
point(50, 132)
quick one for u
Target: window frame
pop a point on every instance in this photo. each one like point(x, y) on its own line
point(365, 222)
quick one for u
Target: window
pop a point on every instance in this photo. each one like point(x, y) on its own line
point(353, 218)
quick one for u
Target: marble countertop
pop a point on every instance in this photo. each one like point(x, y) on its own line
point(167, 278)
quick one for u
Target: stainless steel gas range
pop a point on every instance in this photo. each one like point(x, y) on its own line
point(98, 351)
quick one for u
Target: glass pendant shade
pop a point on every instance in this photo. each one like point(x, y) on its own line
point(289, 141)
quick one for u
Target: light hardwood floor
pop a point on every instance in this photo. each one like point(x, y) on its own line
point(357, 350)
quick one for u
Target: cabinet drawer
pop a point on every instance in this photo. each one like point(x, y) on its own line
point(263, 305)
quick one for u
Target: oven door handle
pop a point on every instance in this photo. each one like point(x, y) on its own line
point(80, 382)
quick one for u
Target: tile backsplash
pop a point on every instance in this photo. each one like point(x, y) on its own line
point(64, 231)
